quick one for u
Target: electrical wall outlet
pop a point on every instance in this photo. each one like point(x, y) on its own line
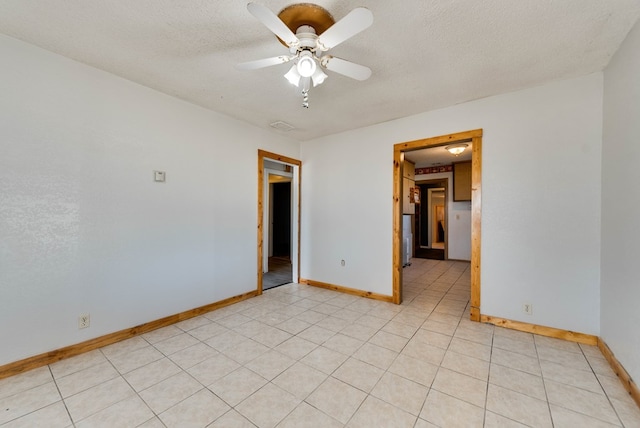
point(527, 308)
point(84, 321)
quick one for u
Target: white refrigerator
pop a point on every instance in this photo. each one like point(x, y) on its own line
point(407, 239)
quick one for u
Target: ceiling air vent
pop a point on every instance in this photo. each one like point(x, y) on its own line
point(282, 126)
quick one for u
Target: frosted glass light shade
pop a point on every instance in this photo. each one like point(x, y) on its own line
point(457, 149)
point(293, 76)
point(306, 64)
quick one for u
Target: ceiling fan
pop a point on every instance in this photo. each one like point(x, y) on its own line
point(315, 33)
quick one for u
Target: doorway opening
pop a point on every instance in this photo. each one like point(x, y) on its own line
point(432, 220)
point(278, 220)
point(278, 268)
point(475, 137)
point(435, 218)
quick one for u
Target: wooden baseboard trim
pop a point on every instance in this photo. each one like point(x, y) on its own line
point(571, 336)
point(91, 344)
point(620, 371)
point(347, 290)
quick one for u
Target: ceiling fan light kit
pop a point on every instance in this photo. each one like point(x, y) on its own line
point(306, 64)
point(315, 33)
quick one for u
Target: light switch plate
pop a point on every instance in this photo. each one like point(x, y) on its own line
point(159, 176)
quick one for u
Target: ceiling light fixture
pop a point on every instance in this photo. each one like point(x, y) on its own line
point(305, 72)
point(318, 77)
point(457, 149)
point(306, 64)
point(293, 76)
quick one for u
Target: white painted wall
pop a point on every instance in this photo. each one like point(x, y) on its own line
point(459, 226)
point(459, 230)
point(620, 289)
point(540, 201)
point(84, 229)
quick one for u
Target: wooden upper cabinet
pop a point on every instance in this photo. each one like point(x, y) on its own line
point(462, 181)
point(408, 183)
point(409, 170)
point(407, 206)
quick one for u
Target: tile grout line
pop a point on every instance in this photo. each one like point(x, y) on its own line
point(606, 394)
point(542, 376)
point(486, 396)
point(64, 403)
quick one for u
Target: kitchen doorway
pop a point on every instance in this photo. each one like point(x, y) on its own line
point(475, 138)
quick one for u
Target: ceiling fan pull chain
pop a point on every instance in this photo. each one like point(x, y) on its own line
point(305, 98)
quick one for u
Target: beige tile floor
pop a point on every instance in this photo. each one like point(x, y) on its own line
point(300, 356)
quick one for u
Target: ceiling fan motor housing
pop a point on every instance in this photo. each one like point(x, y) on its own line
point(308, 40)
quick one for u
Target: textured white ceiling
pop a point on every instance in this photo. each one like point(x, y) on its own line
point(435, 156)
point(425, 54)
